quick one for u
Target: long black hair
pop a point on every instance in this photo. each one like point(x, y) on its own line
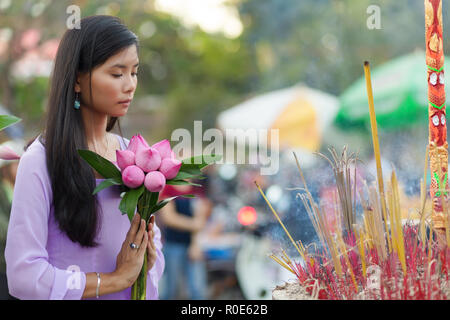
point(72, 180)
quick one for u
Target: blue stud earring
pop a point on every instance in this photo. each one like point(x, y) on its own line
point(77, 101)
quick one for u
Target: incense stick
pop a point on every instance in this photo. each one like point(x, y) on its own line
point(279, 220)
point(376, 145)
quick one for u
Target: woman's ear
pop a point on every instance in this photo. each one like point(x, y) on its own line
point(77, 87)
point(79, 79)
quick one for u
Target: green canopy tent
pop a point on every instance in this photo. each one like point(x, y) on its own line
point(399, 90)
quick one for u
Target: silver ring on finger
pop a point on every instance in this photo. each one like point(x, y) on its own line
point(134, 246)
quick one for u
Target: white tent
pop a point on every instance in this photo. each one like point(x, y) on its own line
point(299, 113)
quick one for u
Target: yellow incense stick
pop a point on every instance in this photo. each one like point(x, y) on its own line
point(279, 220)
point(301, 173)
point(392, 221)
point(376, 145)
point(286, 258)
point(281, 263)
point(367, 233)
point(398, 223)
point(347, 260)
point(362, 252)
point(335, 258)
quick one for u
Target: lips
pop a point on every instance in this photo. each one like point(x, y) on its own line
point(125, 101)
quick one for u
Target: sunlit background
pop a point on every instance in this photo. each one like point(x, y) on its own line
point(290, 65)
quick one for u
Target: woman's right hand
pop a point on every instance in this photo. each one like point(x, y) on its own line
point(129, 261)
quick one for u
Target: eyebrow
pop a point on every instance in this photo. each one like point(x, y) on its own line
point(121, 66)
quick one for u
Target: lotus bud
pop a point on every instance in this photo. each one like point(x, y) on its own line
point(148, 159)
point(155, 181)
point(133, 176)
point(125, 158)
point(164, 149)
point(170, 167)
point(137, 143)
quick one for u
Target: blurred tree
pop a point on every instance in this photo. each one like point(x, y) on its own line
point(199, 74)
point(195, 74)
point(187, 74)
point(25, 95)
point(324, 43)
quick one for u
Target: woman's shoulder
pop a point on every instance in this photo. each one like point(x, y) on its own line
point(35, 153)
point(33, 160)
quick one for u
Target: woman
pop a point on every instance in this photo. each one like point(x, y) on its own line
point(64, 243)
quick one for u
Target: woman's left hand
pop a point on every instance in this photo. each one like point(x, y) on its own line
point(151, 247)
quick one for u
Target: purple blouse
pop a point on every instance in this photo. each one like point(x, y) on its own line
point(41, 261)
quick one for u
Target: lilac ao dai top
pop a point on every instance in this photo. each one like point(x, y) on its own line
point(41, 261)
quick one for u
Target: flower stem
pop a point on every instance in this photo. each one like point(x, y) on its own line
point(143, 280)
point(139, 288)
point(134, 291)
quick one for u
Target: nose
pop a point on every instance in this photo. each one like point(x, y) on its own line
point(130, 84)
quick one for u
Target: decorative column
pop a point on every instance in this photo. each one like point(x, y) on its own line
point(436, 112)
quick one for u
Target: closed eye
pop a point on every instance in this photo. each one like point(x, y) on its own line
point(134, 74)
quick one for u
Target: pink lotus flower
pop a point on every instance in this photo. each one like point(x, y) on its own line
point(133, 176)
point(7, 153)
point(125, 158)
point(148, 159)
point(164, 149)
point(154, 181)
point(137, 143)
point(170, 167)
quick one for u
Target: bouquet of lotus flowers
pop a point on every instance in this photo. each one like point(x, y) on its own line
point(142, 171)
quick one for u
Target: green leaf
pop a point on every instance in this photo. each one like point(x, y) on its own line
point(105, 184)
point(174, 182)
point(193, 169)
point(185, 175)
point(194, 184)
point(103, 166)
point(182, 183)
point(7, 120)
point(129, 201)
point(162, 203)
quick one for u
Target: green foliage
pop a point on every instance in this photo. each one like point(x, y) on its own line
point(324, 43)
point(105, 184)
point(199, 74)
point(130, 200)
point(103, 166)
point(7, 120)
point(30, 97)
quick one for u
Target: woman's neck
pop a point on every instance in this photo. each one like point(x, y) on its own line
point(95, 128)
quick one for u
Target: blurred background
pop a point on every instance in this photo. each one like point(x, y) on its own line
point(290, 65)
